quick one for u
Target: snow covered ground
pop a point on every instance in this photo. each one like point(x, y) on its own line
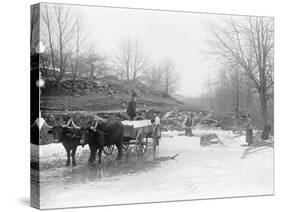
point(196, 173)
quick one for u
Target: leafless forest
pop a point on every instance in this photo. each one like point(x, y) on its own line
point(244, 51)
point(240, 48)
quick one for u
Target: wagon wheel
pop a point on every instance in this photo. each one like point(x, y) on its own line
point(108, 149)
point(125, 146)
point(141, 143)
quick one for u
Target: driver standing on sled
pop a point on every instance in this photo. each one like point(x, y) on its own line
point(187, 124)
point(132, 105)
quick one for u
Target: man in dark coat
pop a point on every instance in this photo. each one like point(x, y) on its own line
point(249, 130)
point(132, 105)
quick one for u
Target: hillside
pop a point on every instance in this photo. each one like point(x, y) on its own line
point(100, 95)
point(108, 98)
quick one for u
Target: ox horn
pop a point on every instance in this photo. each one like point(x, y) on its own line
point(48, 126)
point(68, 123)
point(95, 127)
point(74, 125)
point(38, 121)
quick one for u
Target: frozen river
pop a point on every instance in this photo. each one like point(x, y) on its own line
point(196, 173)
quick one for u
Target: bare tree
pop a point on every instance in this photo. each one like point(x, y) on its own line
point(229, 90)
point(170, 76)
point(248, 42)
point(153, 78)
point(34, 26)
point(80, 37)
point(34, 36)
point(60, 26)
point(130, 59)
point(235, 81)
point(49, 36)
point(138, 61)
point(96, 62)
point(123, 59)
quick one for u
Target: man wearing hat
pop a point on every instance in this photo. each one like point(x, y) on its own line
point(132, 105)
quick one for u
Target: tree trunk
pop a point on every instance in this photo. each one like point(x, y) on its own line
point(92, 71)
point(58, 84)
point(128, 75)
point(167, 90)
point(73, 83)
point(237, 98)
point(74, 73)
point(249, 98)
point(266, 125)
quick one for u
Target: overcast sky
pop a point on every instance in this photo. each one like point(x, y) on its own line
point(177, 35)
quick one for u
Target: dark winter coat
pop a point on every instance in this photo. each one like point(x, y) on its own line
point(131, 109)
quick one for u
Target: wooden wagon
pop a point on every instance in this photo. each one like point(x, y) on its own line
point(136, 133)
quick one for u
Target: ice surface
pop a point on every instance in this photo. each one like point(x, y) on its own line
point(196, 173)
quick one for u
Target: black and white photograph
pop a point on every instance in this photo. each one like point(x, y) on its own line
point(136, 106)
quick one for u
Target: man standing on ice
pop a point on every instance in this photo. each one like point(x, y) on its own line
point(187, 124)
point(249, 130)
point(156, 130)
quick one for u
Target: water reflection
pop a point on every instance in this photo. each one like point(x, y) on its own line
point(110, 169)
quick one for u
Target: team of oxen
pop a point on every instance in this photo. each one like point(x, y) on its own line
point(97, 135)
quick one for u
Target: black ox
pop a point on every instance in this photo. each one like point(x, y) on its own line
point(70, 139)
point(103, 134)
